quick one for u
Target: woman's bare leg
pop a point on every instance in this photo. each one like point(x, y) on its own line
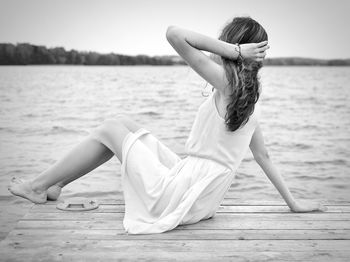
point(80, 160)
point(54, 191)
point(129, 124)
point(101, 157)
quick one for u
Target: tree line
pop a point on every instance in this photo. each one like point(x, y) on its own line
point(301, 61)
point(28, 54)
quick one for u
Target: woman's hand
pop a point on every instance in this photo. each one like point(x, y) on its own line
point(255, 51)
point(301, 206)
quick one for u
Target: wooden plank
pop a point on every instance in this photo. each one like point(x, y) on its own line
point(228, 201)
point(277, 209)
point(10, 214)
point(234, 216)
point(278, 201)
point(177, 234)
point(236, 233)
point(213, 223)
point(119, 208)
point(48, 254)
point(182, 245)
point(240, 202)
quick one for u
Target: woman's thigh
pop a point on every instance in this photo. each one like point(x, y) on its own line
point(112, 133)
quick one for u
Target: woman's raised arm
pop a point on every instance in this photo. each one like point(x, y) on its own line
point(188, 45)
point(261, 156)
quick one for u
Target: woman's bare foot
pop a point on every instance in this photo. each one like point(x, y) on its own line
point(54, 192)
point(24, 189)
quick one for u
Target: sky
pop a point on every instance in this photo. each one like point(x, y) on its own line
point(303, 28)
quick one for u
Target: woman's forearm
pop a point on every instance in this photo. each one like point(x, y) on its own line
point(203, 42)
point(277, 180)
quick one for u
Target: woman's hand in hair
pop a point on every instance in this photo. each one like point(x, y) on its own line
point(301, 206)
point(255, 51)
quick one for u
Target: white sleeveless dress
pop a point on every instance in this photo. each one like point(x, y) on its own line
point(162, 191)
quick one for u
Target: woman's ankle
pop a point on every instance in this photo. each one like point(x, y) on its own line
point(37, 187)
point(60, 184)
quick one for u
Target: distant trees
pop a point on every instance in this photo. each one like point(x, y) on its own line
point(27, 54)
point(300, 61)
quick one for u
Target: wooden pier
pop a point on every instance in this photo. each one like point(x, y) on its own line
point(240, 231)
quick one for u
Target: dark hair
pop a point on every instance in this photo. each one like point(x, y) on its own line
point(242, 75)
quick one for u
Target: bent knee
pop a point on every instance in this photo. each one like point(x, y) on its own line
point(112, 127)
point(113, 122)
point(122, 119)
point(109, 126)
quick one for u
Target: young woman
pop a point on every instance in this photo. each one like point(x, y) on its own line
point(161, 190)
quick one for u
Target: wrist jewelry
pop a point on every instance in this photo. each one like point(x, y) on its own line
point(239, 57)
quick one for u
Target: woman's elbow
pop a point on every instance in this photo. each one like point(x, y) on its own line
point(261, 156)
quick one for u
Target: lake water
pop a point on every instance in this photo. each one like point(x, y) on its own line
point(46, 110)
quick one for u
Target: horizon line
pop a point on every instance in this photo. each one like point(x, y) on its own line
point(158, 55)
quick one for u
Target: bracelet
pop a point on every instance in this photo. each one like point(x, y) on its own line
point(239, 57)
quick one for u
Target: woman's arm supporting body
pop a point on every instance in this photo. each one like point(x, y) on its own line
point(261, 156)
point(188, 45)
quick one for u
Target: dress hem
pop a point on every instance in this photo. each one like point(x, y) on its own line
point(128, 141)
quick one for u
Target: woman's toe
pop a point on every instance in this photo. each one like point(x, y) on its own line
point(16, 180)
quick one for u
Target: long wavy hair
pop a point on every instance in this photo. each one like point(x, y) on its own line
point(242, 75)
